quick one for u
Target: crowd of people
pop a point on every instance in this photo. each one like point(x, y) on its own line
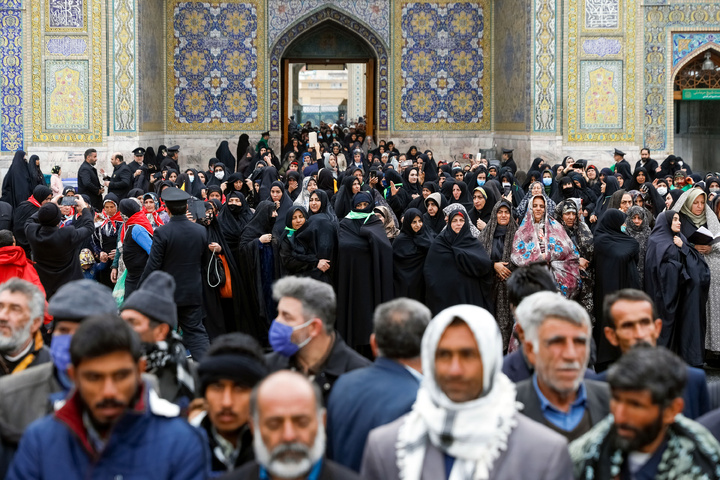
point(171, 322)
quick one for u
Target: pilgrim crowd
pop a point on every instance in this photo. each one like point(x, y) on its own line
point(338, 309)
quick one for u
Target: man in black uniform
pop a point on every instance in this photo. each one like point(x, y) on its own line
point(121, 180)
point(88, 180)
point(622, 166)
point(180, 248)
point(507, 160)
point(171, 161)
point(141, 179)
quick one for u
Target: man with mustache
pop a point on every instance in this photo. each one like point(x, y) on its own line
point(113, 425)
point(22, 306)
point(288, 421)
point(557, 342)
point(233, 365)
point(646, 437)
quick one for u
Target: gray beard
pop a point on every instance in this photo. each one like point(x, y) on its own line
point(16, 340)
point(293, 468)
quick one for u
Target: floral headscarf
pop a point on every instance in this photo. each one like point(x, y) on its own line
point(560, 252)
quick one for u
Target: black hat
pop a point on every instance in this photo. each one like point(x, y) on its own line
point(265, 134)
point(41, 192)
point(139, 152)
point(49, 215)
point(173, 149)
point(79, 299)
point(154, 298)
point(507, 150)
point(129, 207)
point(618, 152)
point(174, 194)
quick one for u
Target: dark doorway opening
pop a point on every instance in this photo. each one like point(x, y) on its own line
point(325, 51)
point(697, 111)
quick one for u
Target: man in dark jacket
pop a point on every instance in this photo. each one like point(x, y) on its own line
point(303, 335)
point(508, 161)
point(56, 250)
point(648, 163)
point(88, 180)
point(152, 313)
point(297, 449)
point(557, 343)
point(121, 180)
point(373, 396)
point(141, 176)
point(22, 307)
point(232, 367)
point(631, 318)
point(621, 165)
point(114, 425)
point(180, 248)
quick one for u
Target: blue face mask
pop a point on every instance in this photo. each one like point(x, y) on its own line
point(60, 351)
point(623, 229)
point(480, 182)
point(280, 337)
point(547, 181)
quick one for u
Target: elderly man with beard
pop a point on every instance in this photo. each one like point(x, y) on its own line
point(646, 437)
point(22, 306)
point(113, 425)
point(465, 423)
point(288, 423)
point(557, 342)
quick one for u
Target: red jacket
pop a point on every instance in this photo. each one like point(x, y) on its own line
point(14, 264)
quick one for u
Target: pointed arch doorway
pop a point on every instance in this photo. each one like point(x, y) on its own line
point(696, 97)
point(327, 47)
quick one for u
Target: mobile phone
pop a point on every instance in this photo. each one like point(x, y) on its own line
point(69, 201)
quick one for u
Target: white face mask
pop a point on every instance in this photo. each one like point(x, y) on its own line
point(506, 185)
point(662, 191)
point(191, 178)
point(220, 175)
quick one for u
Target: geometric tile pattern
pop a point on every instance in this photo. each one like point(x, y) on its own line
point(11, 91)
point(66, 95)
point(124, 64)
point(283, 13)
point(601, 88)
point(660, 22)
point(439, 54)
point(318, 17)
point(545, 31)
point(81, 77)
point(686, 43)
point(215, 49)
point(619, 127)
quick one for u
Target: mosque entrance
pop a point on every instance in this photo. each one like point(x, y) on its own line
point(328, 74)
point(697, 111)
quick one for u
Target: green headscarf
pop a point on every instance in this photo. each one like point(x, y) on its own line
point(697, 220)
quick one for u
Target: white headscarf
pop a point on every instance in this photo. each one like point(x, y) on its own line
point(475, 432)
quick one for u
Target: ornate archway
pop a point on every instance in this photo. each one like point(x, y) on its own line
point(309, 22)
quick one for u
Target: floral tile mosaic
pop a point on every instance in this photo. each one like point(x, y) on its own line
point(215, 49)
point(439, 53)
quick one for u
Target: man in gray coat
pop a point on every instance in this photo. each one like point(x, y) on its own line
point(465, 422)
point(557, 342)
